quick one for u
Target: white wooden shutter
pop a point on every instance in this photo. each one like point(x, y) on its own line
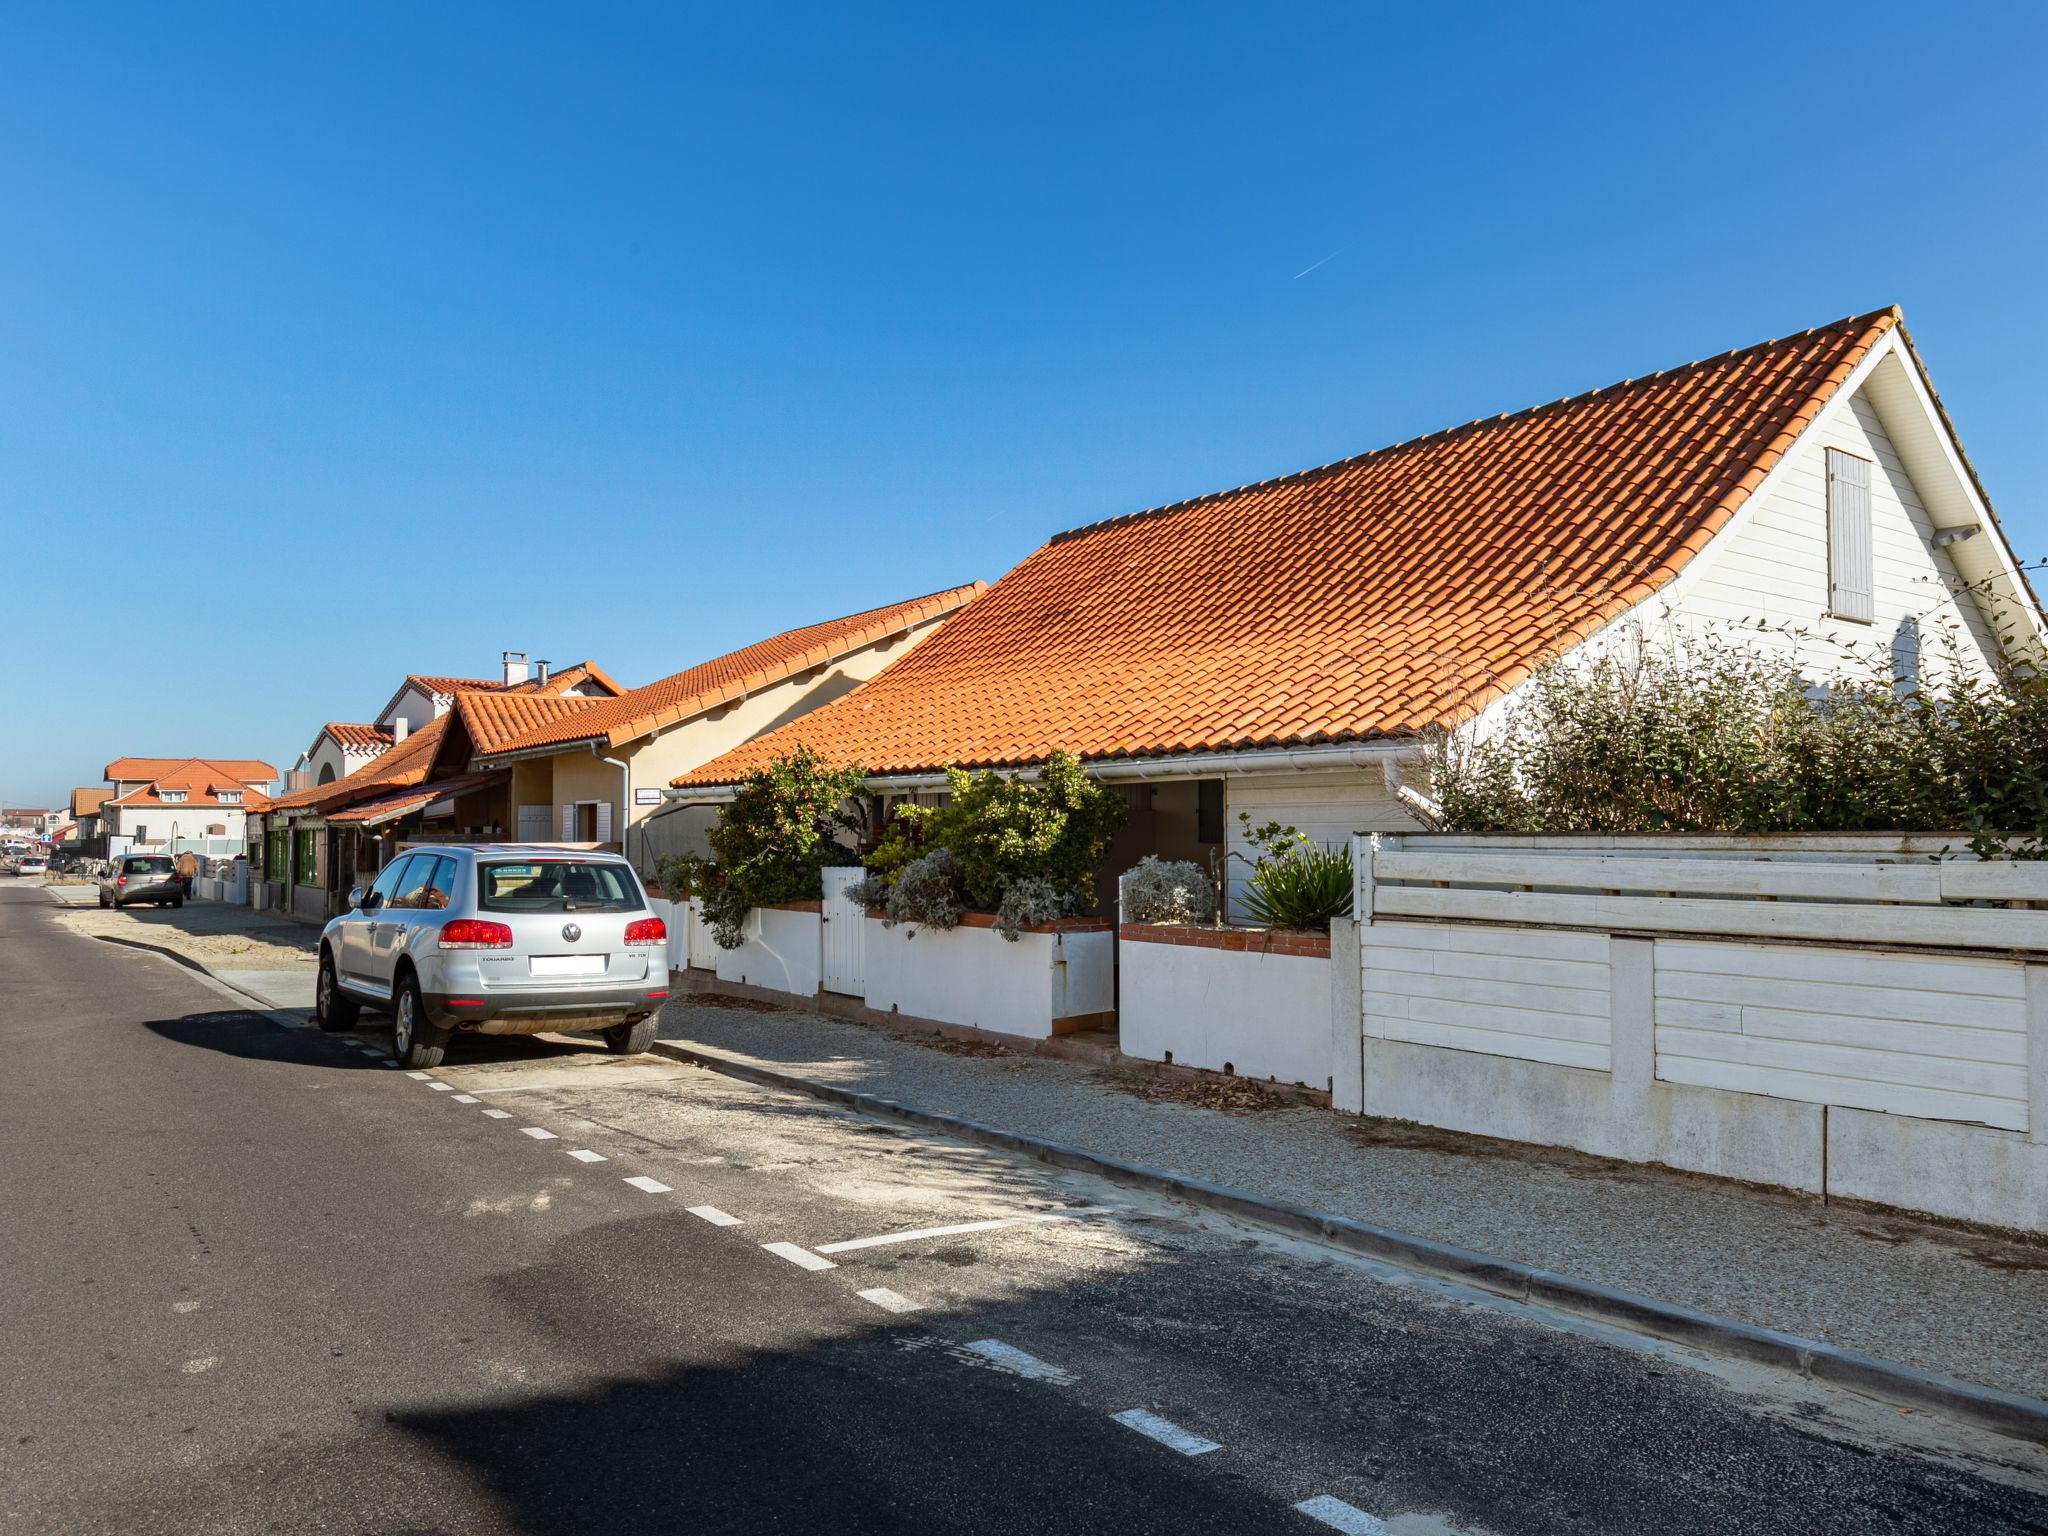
point(533, 823)
point(569, 822)
point(1851, 578)
point(604, 821)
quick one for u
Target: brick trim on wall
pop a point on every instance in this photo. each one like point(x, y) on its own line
point(988, 920)
point(1261, 941)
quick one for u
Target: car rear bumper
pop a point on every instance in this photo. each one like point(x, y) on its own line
point(530, 1010)
point(162, 890)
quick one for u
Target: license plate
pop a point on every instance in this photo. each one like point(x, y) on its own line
point(565, 965)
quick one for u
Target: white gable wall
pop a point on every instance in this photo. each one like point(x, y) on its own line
point(1772, 566)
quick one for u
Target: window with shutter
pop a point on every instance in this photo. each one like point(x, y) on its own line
point(569, 822)
point(1851, 562)
point(604, 822)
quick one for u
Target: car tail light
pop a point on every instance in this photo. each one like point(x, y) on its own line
point(120, 879)
point(475, 933)
point(648, 931)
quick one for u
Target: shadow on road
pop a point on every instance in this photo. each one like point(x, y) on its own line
point(235, 1032)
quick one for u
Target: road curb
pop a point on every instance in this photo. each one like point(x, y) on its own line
point(263, 1004)
point(2006, 1412)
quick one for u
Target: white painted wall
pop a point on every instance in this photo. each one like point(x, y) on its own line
point(782, 951)
point(1326, 805)
point(1773, 564)
point(973, 976)
point(1256, 1014)
point(1537, 995)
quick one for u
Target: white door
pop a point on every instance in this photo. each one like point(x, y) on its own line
point(846, 923)
point(703, 947)
point(533, 823)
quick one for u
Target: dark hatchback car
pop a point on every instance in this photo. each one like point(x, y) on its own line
point(147, 877)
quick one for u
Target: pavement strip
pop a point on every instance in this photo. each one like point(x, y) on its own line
point(499, 1114)
point(713, 1214)
point(1165, 1432)
point(1009, 1358)
point(640, 1181)
point(965, 1226)
point(803, 1258)
point(1339, 1516)
point(585, 1155)
point(887, 1299)
point(537, 1133)
point(465, 1098)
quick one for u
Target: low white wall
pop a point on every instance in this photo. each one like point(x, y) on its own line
point(1665, 1027)
point(1255, 1012)
point(782, 951)
point(675, 917)
point(971, 975)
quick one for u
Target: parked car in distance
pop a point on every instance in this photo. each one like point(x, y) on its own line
point(146, 877)
point(500, 939)
point(31, 864)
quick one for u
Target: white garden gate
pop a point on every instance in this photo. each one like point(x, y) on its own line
point(844, 968)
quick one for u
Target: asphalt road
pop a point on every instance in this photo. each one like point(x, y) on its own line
point(256, 1279)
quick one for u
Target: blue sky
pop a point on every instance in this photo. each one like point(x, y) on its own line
point(381, 338)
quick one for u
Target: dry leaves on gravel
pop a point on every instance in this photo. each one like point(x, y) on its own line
point(1232, 1095)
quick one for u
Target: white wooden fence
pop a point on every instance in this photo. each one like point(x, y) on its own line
point(1860, 1015)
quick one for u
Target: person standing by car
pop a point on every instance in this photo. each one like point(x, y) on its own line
point(188, 869)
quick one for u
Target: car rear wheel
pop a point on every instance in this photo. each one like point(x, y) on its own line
point(416, 1043)
point(333, 1010)
point(103, 901)
point(630, 1039)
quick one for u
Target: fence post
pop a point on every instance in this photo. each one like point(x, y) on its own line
point(1632, 1042)
point(1347, 1018)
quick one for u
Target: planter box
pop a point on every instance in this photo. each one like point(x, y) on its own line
point(784, 950)
point(1054, 979)
point(1252, 1003)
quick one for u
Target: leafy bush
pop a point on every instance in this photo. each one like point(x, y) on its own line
point(926, 891)
point(1660, 739)
point(1157, 891)
point(1001, 831)
point(1029, 901)
point(780, 829)
point(1295, 883)
point(680, 877)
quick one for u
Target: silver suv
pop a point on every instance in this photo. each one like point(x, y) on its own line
point(499, 938)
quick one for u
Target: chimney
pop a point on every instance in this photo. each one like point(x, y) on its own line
point(398, 729)
point(515, 667)
point(540, 671)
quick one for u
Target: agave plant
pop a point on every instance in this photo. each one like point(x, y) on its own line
point(1296, 883)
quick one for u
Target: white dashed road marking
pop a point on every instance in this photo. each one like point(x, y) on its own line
point(1015, 1361)
point(803, 1258)
point(499, 1114)
point(583, 1155)
point(714, 1215)
point(184, 1306)
point(442, 1087)
point(465, 1098)
point(652, 1186)
point(535, 1132)
point(1165, 1432)
point(194, 1367)
point(419, 1077)
point(1339, 1516)
point(924, 1232)
point(887, 1299)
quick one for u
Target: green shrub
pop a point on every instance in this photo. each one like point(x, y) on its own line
point(1662, 739)
point(781, 828)
point(1295, 884)
point(1004, 830)
point(1163, 891)
point(926, 891)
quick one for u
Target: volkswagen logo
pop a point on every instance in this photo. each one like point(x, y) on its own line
point(571, 932)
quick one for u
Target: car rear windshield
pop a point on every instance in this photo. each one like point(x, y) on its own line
point(148, 866)
point(556, 885)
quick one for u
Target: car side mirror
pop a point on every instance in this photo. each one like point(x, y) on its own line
point(355, 898)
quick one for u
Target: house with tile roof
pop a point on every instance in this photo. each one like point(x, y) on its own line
point(1281, 649)
point(527, 763)
point(600, 774)
point(85, 806)
point(339, 748)
point(197, 804)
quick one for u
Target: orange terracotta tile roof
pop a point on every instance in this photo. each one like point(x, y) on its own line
point(201, 783)
point(455, 685)
point(493, 719)
point(396, 804)
point(563, 680)
point(737, 673)
point(85, 801)
point(407, 763)
point(1367, 598)
point(358, 736)
point(241, 769)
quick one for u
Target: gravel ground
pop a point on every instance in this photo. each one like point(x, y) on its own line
point(1972, 1306)
point(218, 936)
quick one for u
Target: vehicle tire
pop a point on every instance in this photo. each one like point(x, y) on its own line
point(103, 901)
point(630, 1039)
point(416, 1043)
point(333, 1009)
point(177, 902)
